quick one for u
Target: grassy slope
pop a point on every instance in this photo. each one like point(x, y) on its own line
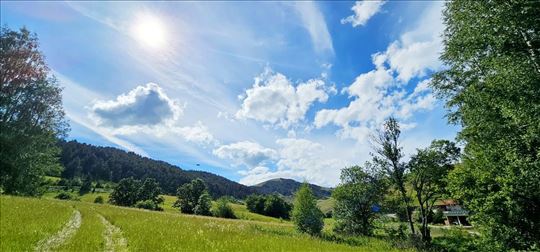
point(22, 227)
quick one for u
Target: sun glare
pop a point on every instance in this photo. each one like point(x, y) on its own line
point(149, 31)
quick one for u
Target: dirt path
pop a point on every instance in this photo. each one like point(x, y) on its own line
point(114, 241)
point(63, 235)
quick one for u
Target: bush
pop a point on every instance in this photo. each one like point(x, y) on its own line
point(307, 217)
point(255, 203)
point(204, 205)
point(99, 200)
point(65, 196)
point(222, 209)
point(277, 207)
point(86, 187)
point(148, 204)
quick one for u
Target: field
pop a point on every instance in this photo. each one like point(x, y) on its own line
point(49, 224)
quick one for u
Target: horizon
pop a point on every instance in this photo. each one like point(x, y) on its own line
point(250, 91)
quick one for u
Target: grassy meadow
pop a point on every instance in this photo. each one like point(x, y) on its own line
point(26, 222)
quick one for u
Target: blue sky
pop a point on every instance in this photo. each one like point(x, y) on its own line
point(250, 91)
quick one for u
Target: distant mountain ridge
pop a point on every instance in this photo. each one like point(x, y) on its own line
point(112, 164)
point(288, 187)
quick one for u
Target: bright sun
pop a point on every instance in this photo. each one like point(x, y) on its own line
point(149, 31)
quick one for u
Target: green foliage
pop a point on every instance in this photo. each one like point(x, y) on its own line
point(65, 196)
point(204, 205)
point(131, 192)
point(428, 172)
point(31, 115)
point(255, 203)
point(269, 205)
point(355, 197)
point(223, 209)
point(85, 187)
point(277, 207)
point(189, 195)
point(492, 50)
point(149, 205)
point(388, 154)
point(109, 164)
point(99, 200)
point(126, 193)
point(307, 217)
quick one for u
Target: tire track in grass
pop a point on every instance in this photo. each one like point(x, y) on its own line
point(114, 240)
point(63, 235)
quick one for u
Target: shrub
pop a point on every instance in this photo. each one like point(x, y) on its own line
point(99, 200)
point(85, 187)
point(276, 206)
point(204, 205)
point(148, 204)
point(65, 196)
point(222, 209)
point(255, 203)
point(307, 217)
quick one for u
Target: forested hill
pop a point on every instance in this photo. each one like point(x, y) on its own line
point(288, 187)
point(112, 164)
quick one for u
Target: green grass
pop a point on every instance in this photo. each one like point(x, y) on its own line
point(89, 235)
point(326, 205)
point(25, 221)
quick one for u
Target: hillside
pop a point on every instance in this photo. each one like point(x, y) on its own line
point(112, 164)
point(288, 187)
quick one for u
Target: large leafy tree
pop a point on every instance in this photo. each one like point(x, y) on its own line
point(356, 196)
point(306, 215)
point(491, 83)
point(126, 193)
point(189, 194)
point(429, 169)
point(31, 114)
point(388, 155)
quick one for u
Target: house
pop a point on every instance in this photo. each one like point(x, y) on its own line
point(453, 213)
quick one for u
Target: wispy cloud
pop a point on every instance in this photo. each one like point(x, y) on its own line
point(363, 11)
point(313, 20)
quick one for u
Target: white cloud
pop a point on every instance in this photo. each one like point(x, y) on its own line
point(298, 159)
point(250, 154)
point(144, 105)
point(376, 96)
point(313, 21)
point(363, 11)
point(273, 99)
point(382, 91)
point(417, 51)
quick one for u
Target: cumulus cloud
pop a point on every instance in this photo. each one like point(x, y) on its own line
point(144, 105)
point(250, 154)
point(363, 11)
point(377, 95)
point(147, 109)
point(299, 159)
point(273, 99)
point(417, 51)
point(382, 92)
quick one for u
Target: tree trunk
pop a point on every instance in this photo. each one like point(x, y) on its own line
point(408, 209)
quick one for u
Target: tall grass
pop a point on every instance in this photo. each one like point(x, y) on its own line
point(26, 221)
